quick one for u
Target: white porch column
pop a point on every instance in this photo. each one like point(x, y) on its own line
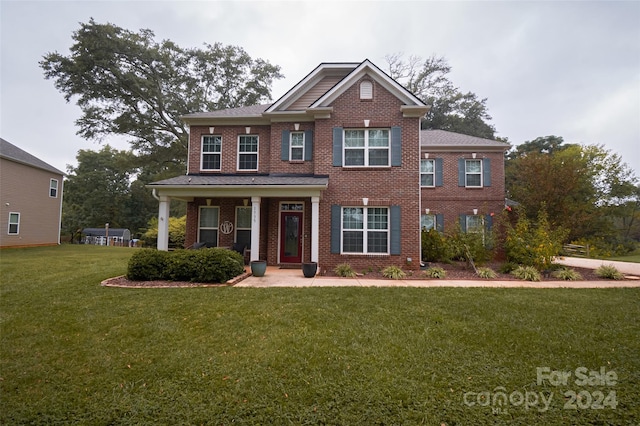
point(315, 228)
point(255, 228)
point(163, 223)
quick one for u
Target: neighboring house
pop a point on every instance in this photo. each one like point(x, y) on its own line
point(337, 170)
point(107, 236)
point(30, 199)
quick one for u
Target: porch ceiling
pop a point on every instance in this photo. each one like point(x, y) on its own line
point(189, 187)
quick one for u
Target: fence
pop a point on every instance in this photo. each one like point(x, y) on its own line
point(576, 250)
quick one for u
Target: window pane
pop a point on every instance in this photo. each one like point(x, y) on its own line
point(248, 144)
point(211, 143)
point(427, 166)
point(377, 218)
point(473, 180)
point(248, 162)
point(473, 166)
point(243, 219)
point(352, 218)
point(376, 242)
point(426, 180)
point(379, 157)
point(209, 217)
point(474, 223)
point(209, 236)
point(296, 153)
point(211, 161)
point(354, 157)
point(243, 236)
point(378, 137)
point(297, 139)
point(427, 221)
point(352, 241)
point(353, 138)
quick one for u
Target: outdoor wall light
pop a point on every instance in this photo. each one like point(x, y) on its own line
point(426, 155)
point(426, 211)
point(475, 211)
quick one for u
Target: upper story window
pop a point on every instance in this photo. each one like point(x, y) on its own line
point(366, 90)
point(473, 173)
point(53, 188)
point(14, 223)
point(248, 152)
point(427, 172)
point(366, 147)
point(365, 230)
point(211, 156)
point(296, 146)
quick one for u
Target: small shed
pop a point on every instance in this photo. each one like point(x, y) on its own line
point(115, 237)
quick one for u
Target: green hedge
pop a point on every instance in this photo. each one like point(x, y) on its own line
point(211, 265)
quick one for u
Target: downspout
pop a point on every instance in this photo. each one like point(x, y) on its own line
point(155, 195)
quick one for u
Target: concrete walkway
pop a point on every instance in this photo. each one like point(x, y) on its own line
point(276, 277)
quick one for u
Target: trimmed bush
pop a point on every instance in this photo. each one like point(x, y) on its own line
point(393, 272)
point(147, 265)
point(213, 265)
point(434, 246)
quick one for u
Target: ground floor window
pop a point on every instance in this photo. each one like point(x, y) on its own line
point(208, 225)
point(365, 230)
point(475, 224)
point(427, 222)
point(243, 226)
point(14, 223)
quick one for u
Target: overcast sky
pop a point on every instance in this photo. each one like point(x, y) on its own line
point(569, 69)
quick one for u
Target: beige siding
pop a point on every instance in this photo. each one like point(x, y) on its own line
point(25, 190)
point(314, 93)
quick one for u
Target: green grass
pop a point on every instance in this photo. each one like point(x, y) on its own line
point(73, 352)
point(635, 258)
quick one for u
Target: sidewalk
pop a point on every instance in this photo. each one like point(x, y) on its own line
point(276, 277)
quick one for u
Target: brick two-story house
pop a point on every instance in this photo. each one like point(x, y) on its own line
point(336, 170)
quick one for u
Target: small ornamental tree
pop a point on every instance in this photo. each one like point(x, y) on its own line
point(534, 244)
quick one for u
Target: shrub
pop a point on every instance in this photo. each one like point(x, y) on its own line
point(393, 272)
point(214, 265)
point(567, 274)
point(434, 247)
point(147, 265)
point(344, 270)
point(487, 273)
point(462, 244)
point(609, 272)
point(508, 267)
point(526, 273)
point(435, 272)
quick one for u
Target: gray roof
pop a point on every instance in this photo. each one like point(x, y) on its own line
point(443, 138)
point(245, 111)
point(13, 153)
point(243, 180)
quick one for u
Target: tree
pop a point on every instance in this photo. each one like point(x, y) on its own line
point(128, 84)
point(451, 109)
point(580, 186)
point(97, 189)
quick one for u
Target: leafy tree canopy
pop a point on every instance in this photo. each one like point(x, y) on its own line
point(451, 109)
point(129, 84)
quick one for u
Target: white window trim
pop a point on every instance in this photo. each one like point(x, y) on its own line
point(13, 223)
point(257, 154)
point(466, 174)
point(291, 147)
point(364, 230)
point(202, 153)
point(208, 228)
point(433, 173)
point(366, 148)
point(51, 187)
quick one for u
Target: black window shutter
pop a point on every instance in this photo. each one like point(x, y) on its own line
point(463, 222)
point(461, 172)
point(439, 172)
point(336, 212)
point(396, 146)
point(486, 172)
point(284, 154)
point(337, 146)
point(308, 145)
point(440, 222)
point(396, 231)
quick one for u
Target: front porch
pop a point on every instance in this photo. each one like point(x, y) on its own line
point(275, 217)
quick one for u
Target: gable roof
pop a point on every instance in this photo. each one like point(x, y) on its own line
point(312, 97)
point(434, 139)
point(11, 152)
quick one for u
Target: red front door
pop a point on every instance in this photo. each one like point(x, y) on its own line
point(290, 237)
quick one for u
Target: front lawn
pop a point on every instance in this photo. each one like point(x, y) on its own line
point(72, 351)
